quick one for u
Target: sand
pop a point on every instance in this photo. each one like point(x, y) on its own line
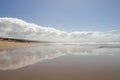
point(88, 66)
point(68, 68)
point(4, 44)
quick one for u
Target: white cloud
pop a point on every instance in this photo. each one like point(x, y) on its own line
point(17, 28)
point(111, 31)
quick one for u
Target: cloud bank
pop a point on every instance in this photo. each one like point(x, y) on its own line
point(17, 28)
point(17, 58)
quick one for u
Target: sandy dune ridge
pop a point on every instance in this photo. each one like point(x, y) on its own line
point(9, 43)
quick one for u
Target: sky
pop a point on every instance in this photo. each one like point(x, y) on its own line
point(67, 15)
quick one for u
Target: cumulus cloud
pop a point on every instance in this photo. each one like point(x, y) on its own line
point(17, 28)
point(18, 58)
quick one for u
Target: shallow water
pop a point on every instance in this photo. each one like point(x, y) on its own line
point(61, 62)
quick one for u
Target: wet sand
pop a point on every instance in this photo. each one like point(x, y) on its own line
point(68, 68)
point(57, 62)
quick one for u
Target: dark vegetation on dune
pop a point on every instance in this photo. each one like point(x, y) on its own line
point(18, 40)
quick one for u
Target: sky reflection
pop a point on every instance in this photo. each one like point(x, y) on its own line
point(17, 58)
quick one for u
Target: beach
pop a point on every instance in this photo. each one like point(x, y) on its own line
point(58, 62)
point(5, 44)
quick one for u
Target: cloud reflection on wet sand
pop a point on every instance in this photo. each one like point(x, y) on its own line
point(17, 58)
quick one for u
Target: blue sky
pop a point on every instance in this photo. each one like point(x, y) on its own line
point(67, 15)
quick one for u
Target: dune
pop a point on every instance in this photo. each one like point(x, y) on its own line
point(9, 43)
